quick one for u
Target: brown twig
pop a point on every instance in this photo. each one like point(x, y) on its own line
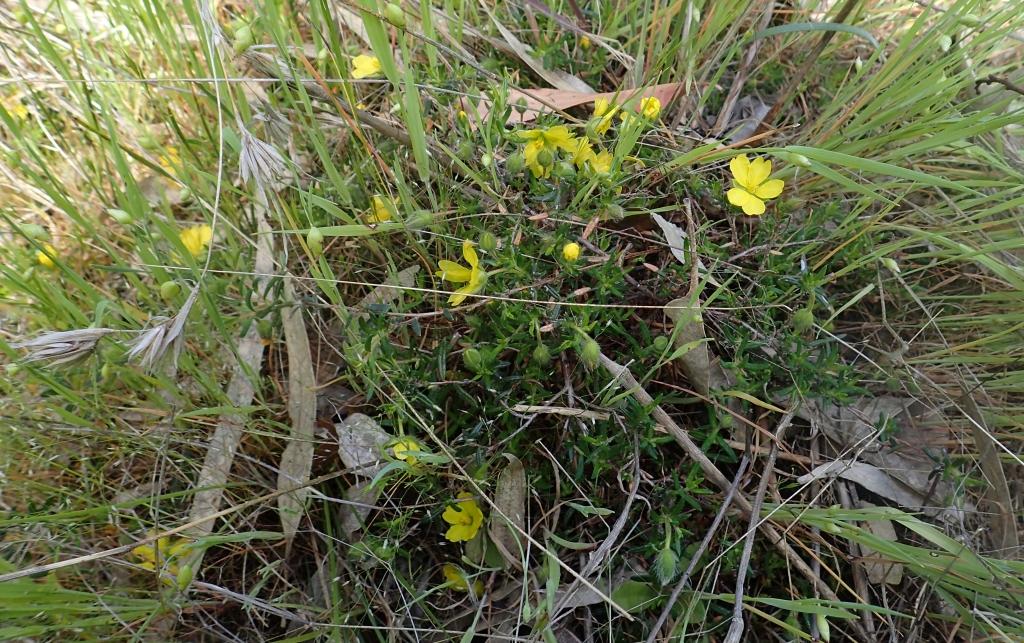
point(801, 74)
point(1000, 80)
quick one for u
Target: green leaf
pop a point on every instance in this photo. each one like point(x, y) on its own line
point(875, 167)
point(634, 595)
point(815, 26)
point(590, 511)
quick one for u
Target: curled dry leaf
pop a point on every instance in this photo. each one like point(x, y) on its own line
point(510, 502)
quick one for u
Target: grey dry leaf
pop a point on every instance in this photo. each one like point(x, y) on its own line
point(998, 501)
point(510, 502)
point(259, 162)
point(362, 498)
point(168, 335)
point(360, 441)
point(676, 238)
point(871, 478)
point(63, 347)
point(878, 571)
point(297, 458)
point(696, 362)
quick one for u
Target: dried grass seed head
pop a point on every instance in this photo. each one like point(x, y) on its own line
point(259, 162)
point(166, 336)
point(64, 346)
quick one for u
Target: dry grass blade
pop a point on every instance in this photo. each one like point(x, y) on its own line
point(226, 437)
point(297, 459)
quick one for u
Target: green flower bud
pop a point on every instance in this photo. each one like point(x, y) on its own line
point(184, 577)
point(35, 231)
point(564, 170)
point(833, 510)
point(590, 353)
point(614, 212)
point(891, 265)
point(520, 105)
point(148, 142)
point(858, 64)
point(487, 160)
point(395, 15)
point(798, 159)
point(912, 387)
point(666, 565)
point(465, 150)
point(823, 630)
point(315, 241)
point(803, 320)
point(488, 242)
point(420, 219)
point(12, 369)
point(106, 371)
point(170, 289)
point(832, 527)
point(969, 21)
point(323, 55)
point(660, 343)
point(945, 42)
point(541, 355)
point(473, 360)
point(893, 384)
point(120, 216)
point(545, 158)
point(244, 39)
point(184, 194)
point(514, 164)
point(265, 327)
point(21, 16)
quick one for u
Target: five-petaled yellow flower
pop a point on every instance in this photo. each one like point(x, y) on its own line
point(601, 162)
point(751, 184)
point(464, 517)
point(163, 553)
point(381, 209)
point(603, 113)
point(571, 251)
point(196, 238)
point(459, 582)
point(363, 66)
point(46, 255)
point(456, 273)
point(402, 450)
point(550, 139)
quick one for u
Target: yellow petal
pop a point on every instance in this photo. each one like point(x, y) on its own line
point(739, 197)
point(531, 151)
point(451, 271)
point(559, 136)
point(740, 168)
point(363, 66)
point(531, 135)
point(600, 106)
point(469, 254)
point(770, 189)
point(455, 299)
point(650, 107)
point(760, 168)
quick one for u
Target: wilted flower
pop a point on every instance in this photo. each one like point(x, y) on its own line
point(752, 185)
point(213, 29)
point(464, 517)
point(451, 271)
point(64, 346)
point(278, 127)
point(154, 343)
point(364, 66)
point(196, 238)
point(259, 161)
point(458, 580)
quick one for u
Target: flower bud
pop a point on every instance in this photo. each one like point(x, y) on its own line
point(571, 252)
point(802, 321)
point(590, 353)
point(120, 216)
point(893, 384)
point(465, 150)
point(514, 164)
point(798, 159)
point(666, 565)
point(21, 16)
point(106, 370)
point(486, 160)
point(858, 64)
point(184, 194)
point(12, 369)
point(823, 630)
point(473, 360)
point(323, 55)
point(265, 328)
point(945, 42)
point(545, 158)
point(148, 142)
point(541, 355)
point(244, 39)
point(660, 343)
point(419, 219)
point(520, 105)
point(969, 21)
point(35, 231)
point(395, 15)
point(315, 241)
point(170, 289)
point(614, 212)
point(891, 265)
point(488, 242)
point(184, 577)
point(584, 43)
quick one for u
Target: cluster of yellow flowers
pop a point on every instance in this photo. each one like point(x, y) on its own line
point(164, 553)
point(544, 146)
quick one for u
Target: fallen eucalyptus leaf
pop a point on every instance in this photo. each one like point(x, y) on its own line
point(509, 501)
point(360, 444)
point(890, 573)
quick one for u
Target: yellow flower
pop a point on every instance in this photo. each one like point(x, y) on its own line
point(46, 255)
point(601, 162)
point(550, 139)
point(382, 209)
point(465, 519)
point(164, 554)
point(603, 113)
point(171, 160)
point(403, 447)
point(456, 273)
point(571, 252)
point(196, 238)
point(583, 152)
point(457, 580)
point(751, 184)
point(584, 43)
point(15, 107)
point(363, 66)
point(650, 107)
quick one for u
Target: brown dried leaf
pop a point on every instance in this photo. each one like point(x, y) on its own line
point(510, 502)
point(297, 459)
point(696, 362)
